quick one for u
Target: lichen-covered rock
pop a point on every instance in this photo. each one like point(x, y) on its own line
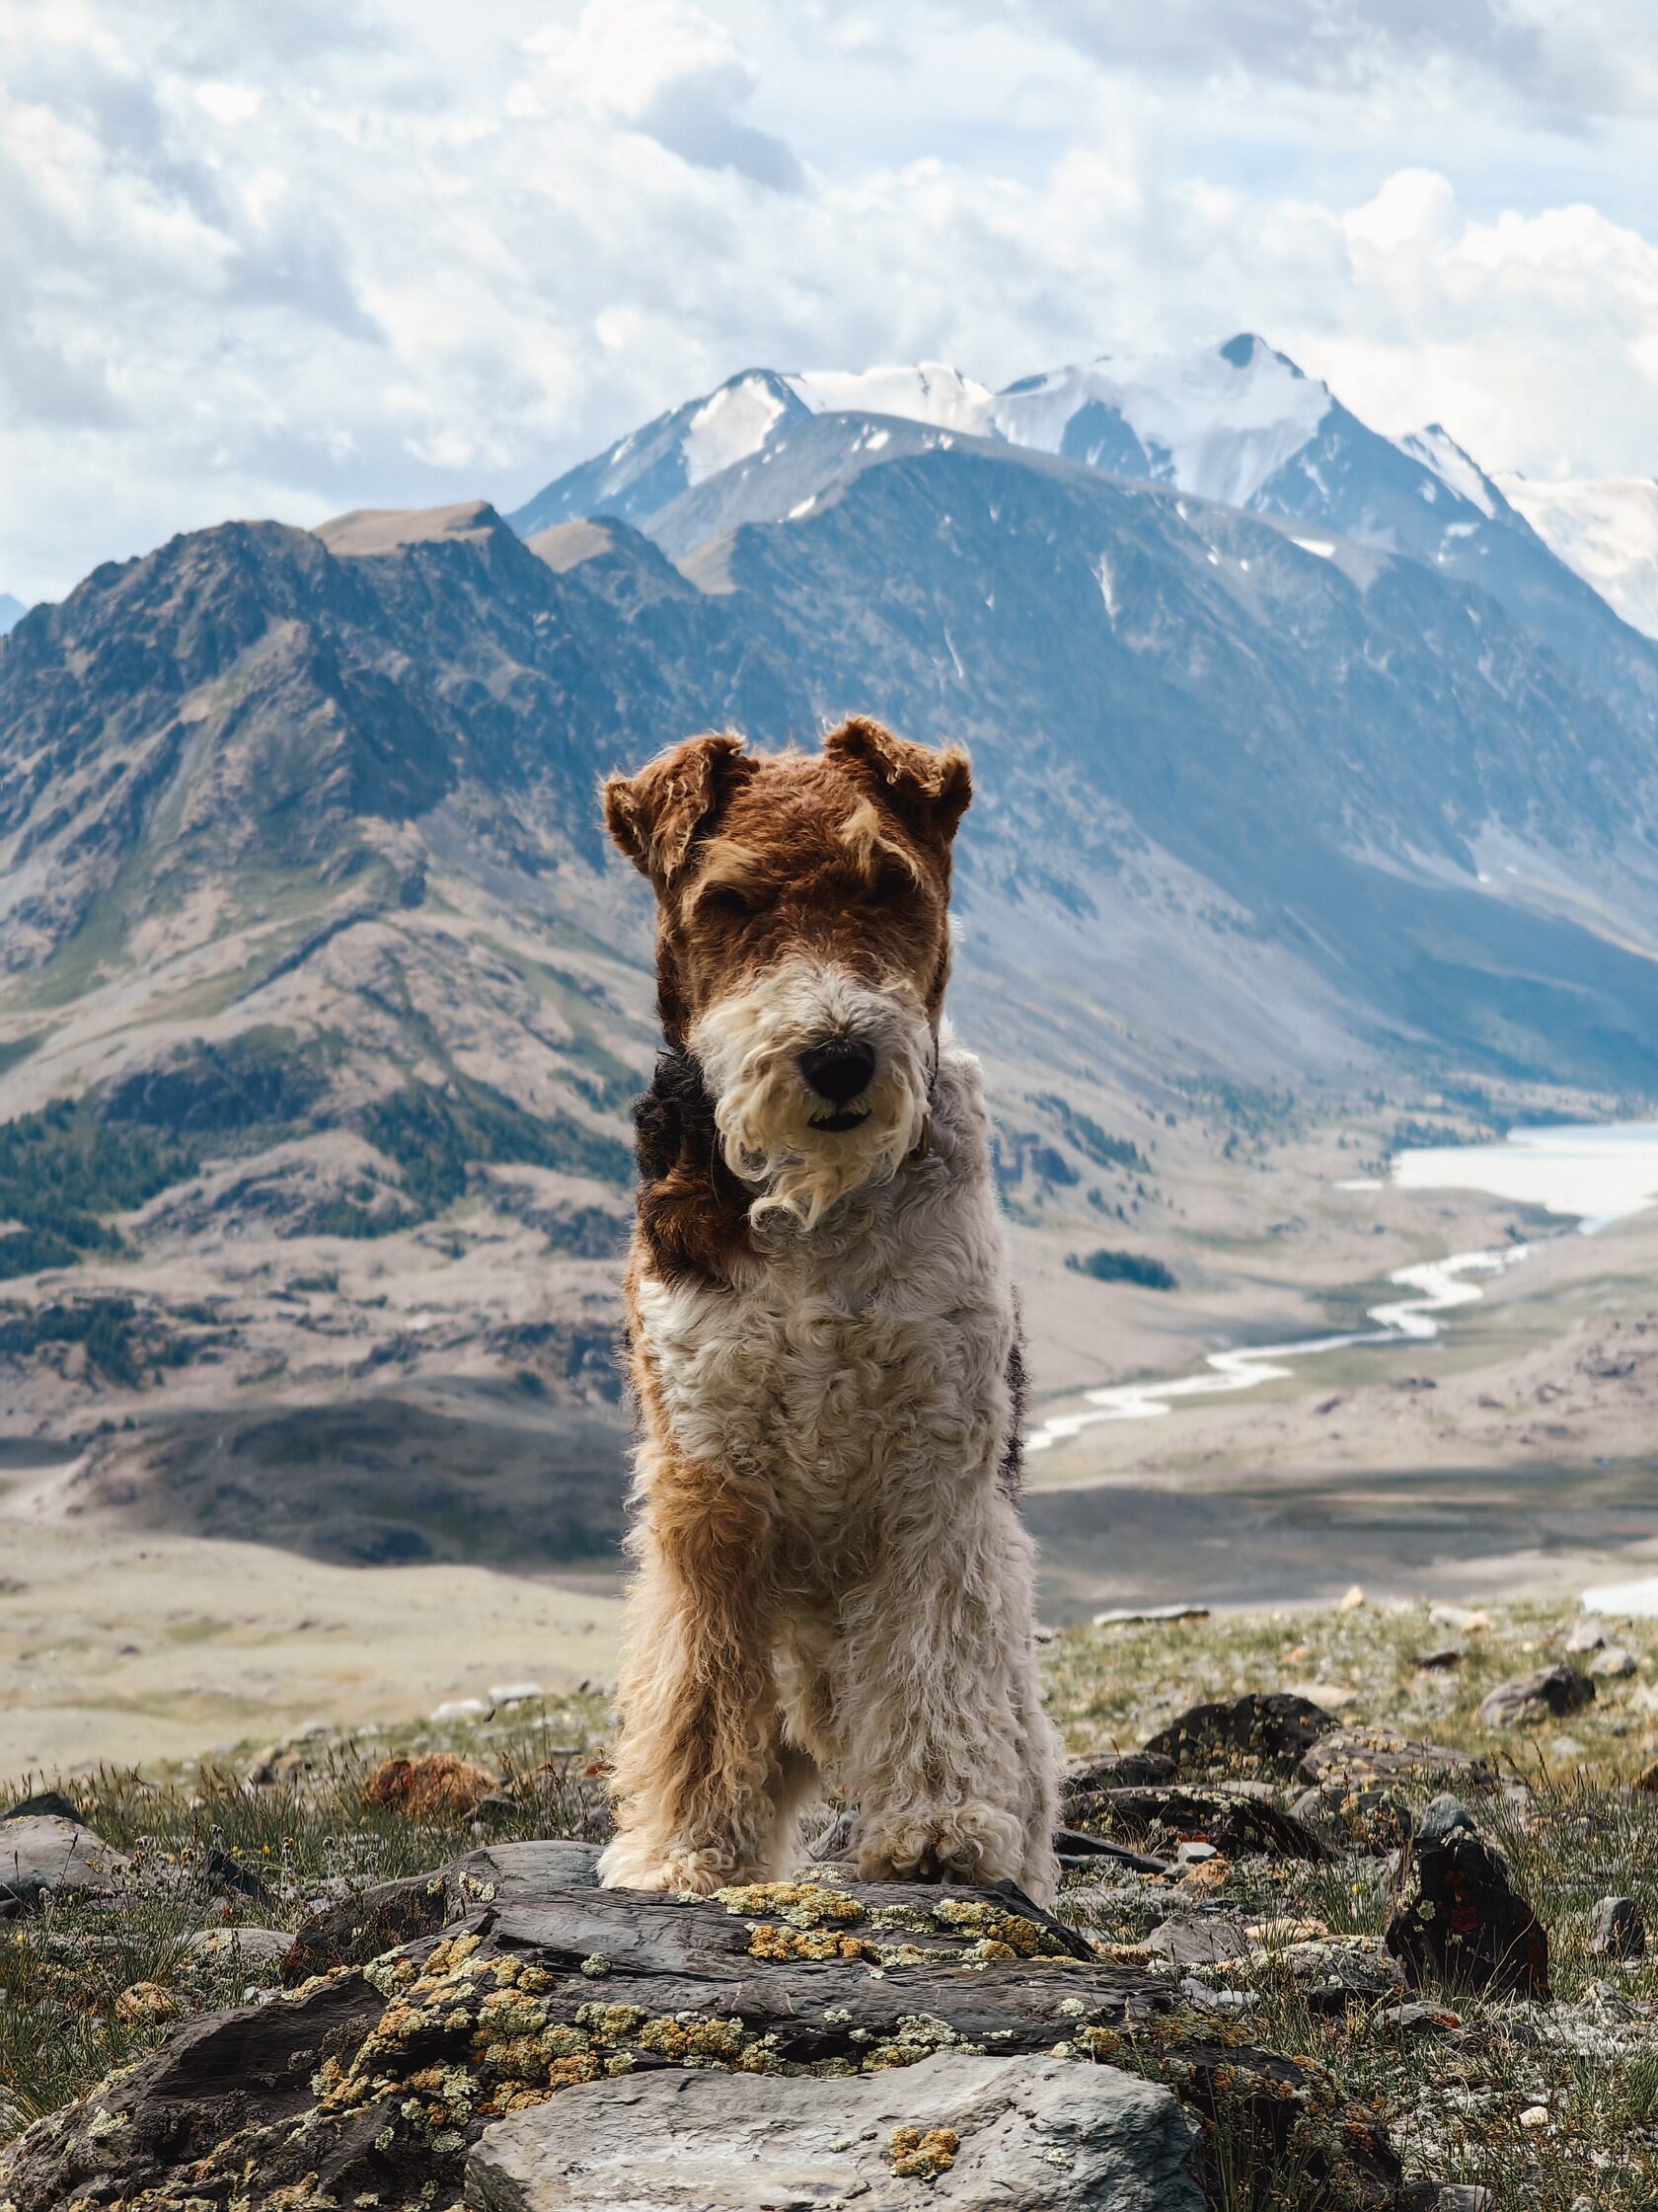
point(1273, 1730)
point(1356, 1756)
point(372, 2081)
point(1459, 1924)
point(1038, 2133)
point(1236, 1824)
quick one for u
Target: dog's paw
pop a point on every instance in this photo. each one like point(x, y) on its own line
point(629, 1864)
point(967, 1843)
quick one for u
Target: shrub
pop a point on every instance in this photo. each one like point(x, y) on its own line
point(1123, 1267)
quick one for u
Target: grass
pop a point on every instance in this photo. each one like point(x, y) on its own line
point(1452, 2098)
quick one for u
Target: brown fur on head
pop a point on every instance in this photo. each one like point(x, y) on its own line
point(801, 902)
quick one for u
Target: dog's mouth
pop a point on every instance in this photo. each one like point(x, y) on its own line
point(845, 1118)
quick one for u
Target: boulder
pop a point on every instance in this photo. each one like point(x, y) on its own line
point(374, 2080)
point(1039, 2133)
point(1275, 1730)
point(1236, 1823)
point(43, 1855)
point(1119, 1770)
point(1548, 1695)
point(1617, 1929)
point(1353, 1756)
point(1459, 1924)
point(1368, 1817)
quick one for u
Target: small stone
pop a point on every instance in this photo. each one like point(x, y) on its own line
point(1199, 1939)
point(1617, 1662)
point(1588, 1635)
point(1194, 1854)
point(460, 1709)
point(1440, 1662)
point(253, 1946)
point(1553, 1692)
point(1353, 1599)
point(515, 1693)
point(435, 1785)
point(145, 2001)
point(45, 1856)
point(1617, 1929)
point(1534, 2115)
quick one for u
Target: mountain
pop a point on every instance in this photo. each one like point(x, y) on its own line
point(322, 997)
point(1238, 424)
point(12, 612)
point(1607, 529)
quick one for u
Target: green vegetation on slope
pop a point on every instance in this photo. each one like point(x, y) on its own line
point(61, 1170)
point(1122, 1266)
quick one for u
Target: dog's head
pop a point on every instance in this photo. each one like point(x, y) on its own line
point(803, 944)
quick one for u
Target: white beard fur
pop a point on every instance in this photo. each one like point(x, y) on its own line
point(748, 1046)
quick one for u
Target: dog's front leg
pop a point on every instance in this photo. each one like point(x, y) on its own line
point(697, 1776)
point(949, 1757)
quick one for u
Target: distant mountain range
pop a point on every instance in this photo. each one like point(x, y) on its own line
point(12, 612)
point(1301, 759)
point(1607, 529)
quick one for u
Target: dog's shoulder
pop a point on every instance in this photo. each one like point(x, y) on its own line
point(693, 1212)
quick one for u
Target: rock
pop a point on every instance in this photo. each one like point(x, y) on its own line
point(1588, 1635)
point(1459, 1924)
point(143, 2002)
point(1237, 1826)
point(1074, 1847)
point(1360, 1755)
point(1199, 1939)
point(1536, 1697)
point(1617, 1929)
point(1446, 2196)
point(50, 1802)
point(1353, 1598)
point(1276, 1729)
point(375, 2080)
point(223, 1873)
point(1120, 1770)
point(1369, 1817)
point(43, 1855)
point(253, 1946)
point(1127, 1615)
point(1040, 2133)
point(1616, 1664)
point(436, 1785)
point(1442, 1660)
point(354, 1930)
point(1415, 2020)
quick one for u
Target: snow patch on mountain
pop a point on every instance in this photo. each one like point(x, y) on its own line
point(1604, 528)
point(930, 392)
point(731, 424)
point(1217, 423)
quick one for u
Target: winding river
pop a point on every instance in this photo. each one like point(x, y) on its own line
point(1596, 1175)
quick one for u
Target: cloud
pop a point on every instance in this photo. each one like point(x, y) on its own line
point(408, 253)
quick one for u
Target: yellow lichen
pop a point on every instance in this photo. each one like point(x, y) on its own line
point(781, 1944)
point(922, 2154)
point(804, 1904)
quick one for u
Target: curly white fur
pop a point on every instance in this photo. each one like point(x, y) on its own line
point(749, 1046)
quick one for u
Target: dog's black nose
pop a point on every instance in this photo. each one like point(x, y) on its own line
point(839, 1069)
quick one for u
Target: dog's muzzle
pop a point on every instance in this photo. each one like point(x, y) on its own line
point(819, 1082)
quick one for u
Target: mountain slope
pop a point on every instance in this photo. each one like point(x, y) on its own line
point(12, 612)
point(1607, 529)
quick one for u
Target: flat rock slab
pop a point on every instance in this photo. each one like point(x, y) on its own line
point(1039, 2133)
point(43, 1855)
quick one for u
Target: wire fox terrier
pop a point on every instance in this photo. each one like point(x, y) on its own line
point(832, 1581)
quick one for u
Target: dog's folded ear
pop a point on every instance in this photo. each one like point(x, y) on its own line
point(929, 787)
point(653, 816)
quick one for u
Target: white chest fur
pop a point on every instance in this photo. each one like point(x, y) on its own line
point(868, 1354)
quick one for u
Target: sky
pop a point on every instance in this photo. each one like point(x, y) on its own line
point(288, 260)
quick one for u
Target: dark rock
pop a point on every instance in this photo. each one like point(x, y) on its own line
point(1550, 1694)
point(1040, 2133)
point(224, 1872)
point(1075, 1848)
point(1236, 1824)
point(1274, 1731)
point(1360, 1755)
point(52, 1803)
point(1617, 1929)
point(1459, 1924)
point(1120, 1770)
point(1439, 1662)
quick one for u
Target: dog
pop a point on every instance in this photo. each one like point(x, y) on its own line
point(832, 1585)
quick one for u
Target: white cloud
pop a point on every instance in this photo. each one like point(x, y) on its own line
point(291, 261)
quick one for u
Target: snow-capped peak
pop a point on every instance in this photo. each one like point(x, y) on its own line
point(1217, 423)
point(1604, 528)
point(734, 423)
point(929, 392)
point(1438, 451)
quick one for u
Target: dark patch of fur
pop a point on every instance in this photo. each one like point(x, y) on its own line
point(1010, 1476)
point(693, 1211)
